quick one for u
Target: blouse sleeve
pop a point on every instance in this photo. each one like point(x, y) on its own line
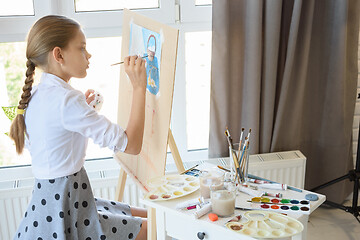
point(78, 116)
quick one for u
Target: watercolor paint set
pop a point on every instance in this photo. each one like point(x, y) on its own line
point(171, 186)
point(262, 224)
point(282, 205)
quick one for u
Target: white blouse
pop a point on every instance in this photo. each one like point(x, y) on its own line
point(58, 123)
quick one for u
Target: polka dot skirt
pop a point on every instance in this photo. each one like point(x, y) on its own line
point(65, 208)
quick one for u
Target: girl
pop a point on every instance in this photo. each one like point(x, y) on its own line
point(57, 122)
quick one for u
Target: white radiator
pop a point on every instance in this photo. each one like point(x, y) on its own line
point(284, 167)
point(15, 195)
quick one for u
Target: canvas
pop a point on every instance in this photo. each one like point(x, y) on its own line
point(157, 43)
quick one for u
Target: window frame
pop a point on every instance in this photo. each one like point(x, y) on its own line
point(189, 12)
point(110, 23)
point(15, 28)
point(181, 14)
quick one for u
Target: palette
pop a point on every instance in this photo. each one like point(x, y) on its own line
point(262, 224)
point(171, 186)
point(280, 205)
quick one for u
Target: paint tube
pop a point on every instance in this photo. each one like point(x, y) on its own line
point(257, 181)
point(201, 211)
point(191, 202)
point(278, 195)
point(250, 191)
point(278, 186)
point(191, 207)
point(188, 203)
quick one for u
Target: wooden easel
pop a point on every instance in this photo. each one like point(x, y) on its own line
point(151, 211)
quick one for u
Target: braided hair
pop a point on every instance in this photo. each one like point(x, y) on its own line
point(46, 34)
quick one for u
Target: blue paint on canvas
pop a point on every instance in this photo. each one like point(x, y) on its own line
point(145, 42)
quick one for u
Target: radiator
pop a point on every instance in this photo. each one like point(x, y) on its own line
point(15, 195)
point(283, 167)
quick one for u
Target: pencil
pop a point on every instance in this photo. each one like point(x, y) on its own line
point(123, 61)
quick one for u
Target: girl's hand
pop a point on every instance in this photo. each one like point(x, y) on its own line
point(135, 69)
point(89, 98)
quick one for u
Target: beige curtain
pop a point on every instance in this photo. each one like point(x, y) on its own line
point(288, 70)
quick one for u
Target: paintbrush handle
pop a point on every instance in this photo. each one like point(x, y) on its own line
point(116, 63)
point(236, 164)
point(190, 169)
point(123, 61)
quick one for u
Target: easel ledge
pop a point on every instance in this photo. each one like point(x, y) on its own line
point(120, 188)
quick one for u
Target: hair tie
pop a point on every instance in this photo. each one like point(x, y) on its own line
point(20, 111)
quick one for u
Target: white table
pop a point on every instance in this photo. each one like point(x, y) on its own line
point(180, 224)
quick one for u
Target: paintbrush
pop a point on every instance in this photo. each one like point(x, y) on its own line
point(222, 168)
point(123, 61)
point(190, 169)
point(244, 209)
point(243, 156)
point(234, 157)
point(227, 134)
point(241, 136)
point(248, 136)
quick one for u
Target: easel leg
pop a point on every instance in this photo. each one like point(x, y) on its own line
point(120, 188)
point(175, 153)
point(151, 230)
point(152, 234)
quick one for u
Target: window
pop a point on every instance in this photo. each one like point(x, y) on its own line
point(102, 24)
point(12, 75)
point(202, 2)
point(198, 62)
point(17, 8)
point(107, 5)
point(102, 78)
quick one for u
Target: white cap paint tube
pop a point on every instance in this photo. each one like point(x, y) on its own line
point(250, 191)
point(277, 186)
point(201, 211)
point(192, 202)
point(257, 181)
point(278, 195)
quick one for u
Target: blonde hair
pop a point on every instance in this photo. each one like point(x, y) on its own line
point(46, 34)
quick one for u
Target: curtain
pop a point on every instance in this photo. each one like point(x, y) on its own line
point(287, 69)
